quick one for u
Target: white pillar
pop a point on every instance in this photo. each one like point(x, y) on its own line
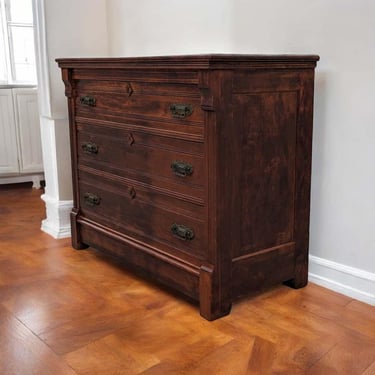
point(63, 28)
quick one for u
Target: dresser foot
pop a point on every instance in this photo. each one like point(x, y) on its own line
point(300, 278)
point(295, 283)
point(76, 238)
point(212, 304)
point(214, 313)
point(79, 245)
point(299, 281)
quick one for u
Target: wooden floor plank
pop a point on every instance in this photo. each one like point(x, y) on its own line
point(21, 352)
point(349, 356)
point(110, 355)
point(262, 357)
point(370, 370)
point(80, 312)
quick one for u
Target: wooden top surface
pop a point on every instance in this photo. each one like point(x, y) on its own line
point(209, 61)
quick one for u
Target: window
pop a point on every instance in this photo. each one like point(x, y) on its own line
point(17, 53)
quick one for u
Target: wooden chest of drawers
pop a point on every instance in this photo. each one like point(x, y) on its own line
point(195, 170)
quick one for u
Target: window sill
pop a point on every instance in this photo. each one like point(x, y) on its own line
point(17, 86)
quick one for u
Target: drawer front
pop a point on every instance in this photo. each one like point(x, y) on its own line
point(150, 101)
point(135, 211)
point(143, 156)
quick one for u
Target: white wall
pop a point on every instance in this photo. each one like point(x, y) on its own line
point(160, 27)
point(73, 29)
point(342, 32)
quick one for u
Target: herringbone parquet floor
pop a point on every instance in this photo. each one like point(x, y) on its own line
point(77, 312)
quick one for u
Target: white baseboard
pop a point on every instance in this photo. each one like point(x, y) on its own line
point(57, 223)
point(350, 281)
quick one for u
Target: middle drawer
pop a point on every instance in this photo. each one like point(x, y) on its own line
point(168, 163)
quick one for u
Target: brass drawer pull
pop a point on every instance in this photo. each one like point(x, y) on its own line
point(181, 110)
point(91, 199)
point(87, 100)
point(90, 148)
point(182, 232)
point(180, 168)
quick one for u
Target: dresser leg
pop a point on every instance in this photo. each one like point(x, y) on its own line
point(78, 245)
point(300, 277)
point(212, 304)
point(76, 238)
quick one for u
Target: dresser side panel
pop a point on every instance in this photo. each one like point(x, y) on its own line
point(266, 186)
point(274, 110)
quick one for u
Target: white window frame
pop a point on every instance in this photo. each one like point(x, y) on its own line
point(7, 43)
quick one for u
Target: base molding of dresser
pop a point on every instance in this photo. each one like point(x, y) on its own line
point(257, 271)
point(252, 272)
point(142, 258)
point(197, 283)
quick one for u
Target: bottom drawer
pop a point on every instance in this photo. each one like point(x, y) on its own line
point(126, 212)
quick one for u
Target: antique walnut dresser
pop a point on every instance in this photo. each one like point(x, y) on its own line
point(195, 170)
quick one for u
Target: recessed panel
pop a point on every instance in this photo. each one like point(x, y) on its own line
point(267, 181)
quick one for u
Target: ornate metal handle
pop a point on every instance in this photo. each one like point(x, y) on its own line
point(132, 192)
point(182, 232)
point(180, 168)
point(91, 199)
point(181, 110)
point(87, 100)
point(129, 89)
point(90, 148)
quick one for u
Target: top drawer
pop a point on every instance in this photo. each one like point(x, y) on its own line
point(125, 99)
